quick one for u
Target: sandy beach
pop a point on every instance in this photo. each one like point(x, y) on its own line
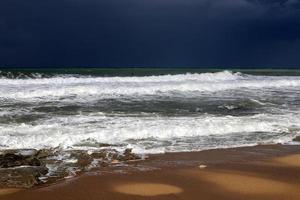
point(260, 172)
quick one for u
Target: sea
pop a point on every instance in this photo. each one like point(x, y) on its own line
point(149, 110)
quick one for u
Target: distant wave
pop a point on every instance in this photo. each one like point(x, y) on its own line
point(113, 87)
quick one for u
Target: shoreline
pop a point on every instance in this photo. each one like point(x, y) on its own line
point(259, 172)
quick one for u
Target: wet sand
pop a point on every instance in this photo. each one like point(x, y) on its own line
point(260, 173)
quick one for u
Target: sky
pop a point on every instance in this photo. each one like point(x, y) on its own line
point(150, 33)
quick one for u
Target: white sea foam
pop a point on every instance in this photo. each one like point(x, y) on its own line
point(66, 132)
point(56, 88)
point(148, 132)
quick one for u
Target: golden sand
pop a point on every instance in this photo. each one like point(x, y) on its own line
point(291, 160)
point(256, 177)
point(147, 189)
point(244, 183)
point(8, 191)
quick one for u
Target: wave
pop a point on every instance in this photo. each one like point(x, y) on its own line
point(23, 75)
point(148, 133)
point(113, 87)
point(73, 79)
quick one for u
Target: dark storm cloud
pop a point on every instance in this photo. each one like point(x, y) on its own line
point(150, 33)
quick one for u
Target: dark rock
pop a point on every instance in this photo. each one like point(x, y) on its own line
point(21, 152)
point(27, 167)
point(21, 177)
point(103, 164)
point(297, 139)
point(99, 155)
point(60, 173)
point(128, 155)
point(112, 154)
point(34, 162)
point(16, 159)
point(11, 160)
point(83, 159)
point(44, 153)
point(104, 145)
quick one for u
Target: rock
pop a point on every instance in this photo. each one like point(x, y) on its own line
point(21, 152)
point(128, 155)
point(83, 159)
point(44, 153)
point(34, 162)
point(26, 168)
point(13, 160)
point(21, 177)
point(297, 139)
point(104, 145)
point(20, 168)
point(113, 157)
point(103, 164)
point(99, 155)
point(10, 160)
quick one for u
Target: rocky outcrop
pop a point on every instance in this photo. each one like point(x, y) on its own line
point(14, 158)
point(29, 167)
point(20, 168)
point(129, 156)
point(21, 177)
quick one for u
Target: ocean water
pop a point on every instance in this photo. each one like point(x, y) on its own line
point(148, 110)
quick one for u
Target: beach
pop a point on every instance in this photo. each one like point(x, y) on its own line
point(149, 134)
point(150, 100)
point(260, 172)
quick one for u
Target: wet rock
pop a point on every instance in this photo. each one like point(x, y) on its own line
point(297, 139)
point(103, 164)
point(13, 160)
point(21, 152)
point(28, 167)
point(34, 162)
point(99, 155)
point(83, 159)
point(60, 173)
point(104, 145)
point(44, 153)
point(128, 155)
point(114, 156)
point(21, 177)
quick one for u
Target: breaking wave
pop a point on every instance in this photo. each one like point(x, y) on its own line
point(190, 111)
point(57, 88)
